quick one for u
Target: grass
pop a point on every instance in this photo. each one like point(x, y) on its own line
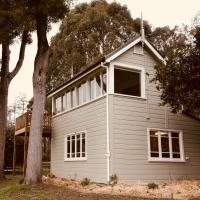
point(12, 188)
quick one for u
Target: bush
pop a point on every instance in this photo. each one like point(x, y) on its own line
point(152, 186)
point(113, 179)
point(85, 182)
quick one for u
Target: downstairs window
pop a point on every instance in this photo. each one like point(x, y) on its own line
point(165, 145)
point(75, 146)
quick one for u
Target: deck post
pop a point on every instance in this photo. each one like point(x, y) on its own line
point(14, 154)
point(25, 145)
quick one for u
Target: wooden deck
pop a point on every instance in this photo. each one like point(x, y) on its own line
point(23, 123)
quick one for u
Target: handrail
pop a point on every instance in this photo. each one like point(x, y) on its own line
point(24, 121)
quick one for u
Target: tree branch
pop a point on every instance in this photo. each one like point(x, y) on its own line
point(21, 55)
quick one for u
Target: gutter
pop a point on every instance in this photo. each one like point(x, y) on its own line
point(107, 125)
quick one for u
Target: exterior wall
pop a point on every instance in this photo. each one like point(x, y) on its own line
point(130, 119)
point(92, 118)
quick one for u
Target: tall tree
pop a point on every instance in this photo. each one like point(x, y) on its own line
point(43, 12)
point(88, 32)
point(179, 79)
point(12, 25)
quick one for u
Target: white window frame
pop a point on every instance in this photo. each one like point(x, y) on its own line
point(123, 66)
point(171, 159)
point(75, 102)
point(65, 147)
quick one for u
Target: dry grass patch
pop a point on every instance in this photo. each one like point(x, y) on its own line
point(181, 189)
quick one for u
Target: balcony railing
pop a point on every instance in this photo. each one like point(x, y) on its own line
point(23, 123)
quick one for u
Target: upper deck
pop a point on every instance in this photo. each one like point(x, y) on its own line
point(23, 123)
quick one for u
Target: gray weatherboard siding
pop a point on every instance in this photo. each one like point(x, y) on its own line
point(92, 118)
point(129, 119)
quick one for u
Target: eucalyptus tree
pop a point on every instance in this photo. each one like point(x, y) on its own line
point(43, 13)
point(12, 26)
point(87, 33)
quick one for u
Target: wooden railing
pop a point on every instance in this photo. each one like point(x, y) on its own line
point(24, 121)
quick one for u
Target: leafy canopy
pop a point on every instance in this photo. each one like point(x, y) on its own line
point(88, 32)
point(179, 79)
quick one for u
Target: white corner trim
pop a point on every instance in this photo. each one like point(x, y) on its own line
point(121, 51)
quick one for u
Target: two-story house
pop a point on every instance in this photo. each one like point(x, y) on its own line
point(107, 120)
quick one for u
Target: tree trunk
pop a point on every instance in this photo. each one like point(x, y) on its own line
point(4, 84)
point(34, 159)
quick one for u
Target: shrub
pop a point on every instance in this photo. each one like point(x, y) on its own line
point(152, 186)
point(113, 179)
point(85, 182)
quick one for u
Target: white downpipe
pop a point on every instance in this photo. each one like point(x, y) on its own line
point(107, 124)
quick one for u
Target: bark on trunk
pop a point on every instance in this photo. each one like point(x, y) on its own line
point(5, 79)
point(4, 84)
point(34, 159)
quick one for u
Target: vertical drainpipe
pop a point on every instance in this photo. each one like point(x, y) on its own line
point(107, 126)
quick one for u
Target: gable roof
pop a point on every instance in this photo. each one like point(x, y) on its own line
point(108, 58)
point(129, 44)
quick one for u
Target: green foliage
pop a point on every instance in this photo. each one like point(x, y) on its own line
point(88, 32)
point(9, 148)
point(113, 179)
point(85, 182)
point(12, 188)
point(179, 79)
point(152, 185)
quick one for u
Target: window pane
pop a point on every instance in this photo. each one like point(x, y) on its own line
point(73, 98)
point(58, 104)
point(68, 147)
point(84, 92)
point(98, 86)
point(73, 146)
point(175, 145)
point(154, 144)
point(127, 82)
point(68, 100)
point(78, 146)
point(92, 82)
point(83, 145)
point(80, 95)
point(165, 144)
point(64, 105)
point(176, 155)
point(104, 83)
point(174, 134)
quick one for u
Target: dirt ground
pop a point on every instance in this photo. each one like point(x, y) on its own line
point(61, 189)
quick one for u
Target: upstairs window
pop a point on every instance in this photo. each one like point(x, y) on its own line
point(165, 145)
point(75, 146)
point(127, 82)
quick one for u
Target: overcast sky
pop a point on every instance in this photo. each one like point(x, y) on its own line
point(157, 12)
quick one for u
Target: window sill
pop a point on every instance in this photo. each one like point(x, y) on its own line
point(130, 96)
point(167, 160)
point(74, 159)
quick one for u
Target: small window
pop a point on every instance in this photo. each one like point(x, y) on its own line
point(165, 145)
point(127, 82)
point(75, 146)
